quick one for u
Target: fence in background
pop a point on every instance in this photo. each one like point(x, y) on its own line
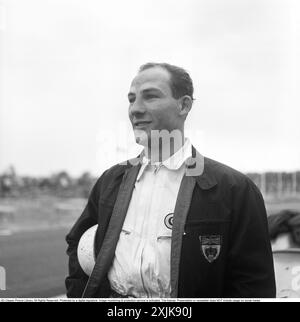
point(277, 184)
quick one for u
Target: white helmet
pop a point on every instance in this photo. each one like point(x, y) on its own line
point(86, 250)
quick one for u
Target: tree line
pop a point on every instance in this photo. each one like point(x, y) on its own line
point(62, 184)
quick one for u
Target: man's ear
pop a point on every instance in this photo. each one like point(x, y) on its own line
point(186, 104)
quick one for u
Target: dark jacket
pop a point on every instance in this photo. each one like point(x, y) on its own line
point(220, 244)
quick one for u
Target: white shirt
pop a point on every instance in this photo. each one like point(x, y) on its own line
point(141, 266)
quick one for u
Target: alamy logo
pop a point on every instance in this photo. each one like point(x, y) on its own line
point(2, 279)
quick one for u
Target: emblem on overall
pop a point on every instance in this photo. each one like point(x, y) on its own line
point(169, 220)
point(211, 246)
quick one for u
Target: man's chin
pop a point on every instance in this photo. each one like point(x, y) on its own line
point(141, 137)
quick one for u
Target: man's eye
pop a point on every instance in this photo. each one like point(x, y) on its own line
point(149, 97)
point(131, 100)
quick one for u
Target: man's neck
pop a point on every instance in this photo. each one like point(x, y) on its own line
point(163, 150)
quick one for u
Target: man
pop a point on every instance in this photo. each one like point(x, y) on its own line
point(172, 223)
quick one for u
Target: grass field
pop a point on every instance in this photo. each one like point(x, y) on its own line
point(42, 213)
point(35, 263)
point(32, 245)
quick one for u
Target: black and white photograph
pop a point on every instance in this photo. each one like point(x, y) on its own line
point(149, 151)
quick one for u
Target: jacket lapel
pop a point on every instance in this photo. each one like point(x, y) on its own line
point(107, 251)
point(181, 210)
point(196, 171)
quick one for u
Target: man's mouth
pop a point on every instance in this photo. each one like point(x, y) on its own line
point(141, 123)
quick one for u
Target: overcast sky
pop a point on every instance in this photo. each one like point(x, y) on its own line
point(66, 67)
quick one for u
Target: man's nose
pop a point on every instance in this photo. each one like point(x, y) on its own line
point(137, 108)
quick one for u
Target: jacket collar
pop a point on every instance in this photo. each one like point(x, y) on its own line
point(201, 169)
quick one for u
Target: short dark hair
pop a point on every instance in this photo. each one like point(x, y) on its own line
point(181, 82)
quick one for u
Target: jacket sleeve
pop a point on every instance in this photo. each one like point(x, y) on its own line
point(77, 279)
point(250, 269)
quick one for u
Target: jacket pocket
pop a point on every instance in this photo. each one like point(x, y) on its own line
point(207, 226)
point(164, 233)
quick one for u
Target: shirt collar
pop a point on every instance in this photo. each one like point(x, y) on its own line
point(173, 163)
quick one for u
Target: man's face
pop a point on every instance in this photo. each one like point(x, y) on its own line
point(152, 105)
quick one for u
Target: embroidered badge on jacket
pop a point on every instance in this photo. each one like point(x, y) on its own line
point(211, 246)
